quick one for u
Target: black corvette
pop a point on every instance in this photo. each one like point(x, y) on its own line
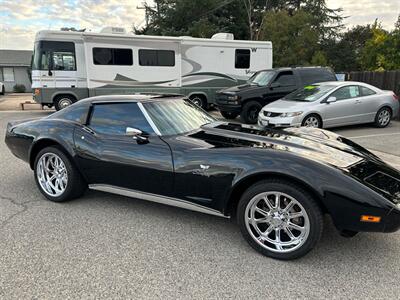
point(276, 183)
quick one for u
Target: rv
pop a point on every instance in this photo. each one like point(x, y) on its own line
point(68, 66)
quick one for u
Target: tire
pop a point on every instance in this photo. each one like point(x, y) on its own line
point(383, 117)
point(229, 115)
point(63, 101)
point(74, 186)
point(199, 100)
point(312, 120)
point(250, 110)
point(311, 220)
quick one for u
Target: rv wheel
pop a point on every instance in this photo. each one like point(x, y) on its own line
point(63, 101)
point(199, 100)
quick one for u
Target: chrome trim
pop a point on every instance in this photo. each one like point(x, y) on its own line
point(156, 198)
point(146, 115)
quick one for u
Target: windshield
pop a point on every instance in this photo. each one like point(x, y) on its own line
point(261, 78)
point(173, 117)
point(309, 93)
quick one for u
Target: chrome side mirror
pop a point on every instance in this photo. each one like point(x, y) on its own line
point(136, 134)
point(331, 100)
point(133, 131)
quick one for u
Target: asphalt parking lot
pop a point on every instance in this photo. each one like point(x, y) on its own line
point(107, 246)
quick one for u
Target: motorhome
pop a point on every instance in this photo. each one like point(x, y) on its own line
point(68, 66)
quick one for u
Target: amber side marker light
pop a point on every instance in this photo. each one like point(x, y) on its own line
point(371, 219)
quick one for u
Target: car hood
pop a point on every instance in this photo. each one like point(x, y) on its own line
point(244, 88)
point(282, 105)
point(314, 144)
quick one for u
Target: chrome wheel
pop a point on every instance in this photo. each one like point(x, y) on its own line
point(52, 174)
point(384, 117)
point(312, 122)
point(277, 222)
point(197, 101)
point(65, 102)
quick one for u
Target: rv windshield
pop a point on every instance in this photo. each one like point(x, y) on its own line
point(175, 116)
point(262, 78)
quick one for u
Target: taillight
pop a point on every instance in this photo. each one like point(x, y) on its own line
point(395, 97)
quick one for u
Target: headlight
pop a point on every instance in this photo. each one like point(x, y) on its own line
point(291, 114)
point(233, 97)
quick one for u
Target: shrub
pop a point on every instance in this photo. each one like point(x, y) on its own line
point(19, 88)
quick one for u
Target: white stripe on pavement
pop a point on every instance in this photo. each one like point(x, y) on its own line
point(372, 135)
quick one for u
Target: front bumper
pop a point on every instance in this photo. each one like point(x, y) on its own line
point(278, 121)
point(223, 104)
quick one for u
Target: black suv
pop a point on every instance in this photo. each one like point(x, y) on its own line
point(264, 87)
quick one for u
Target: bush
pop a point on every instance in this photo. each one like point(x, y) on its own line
point(19, 88)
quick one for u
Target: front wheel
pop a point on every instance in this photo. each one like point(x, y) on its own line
point(279, 219)
point(229, 115)
point(56, 177)
point(249, 114)
point(312, 120)
point(63, 101)
point(383, 117)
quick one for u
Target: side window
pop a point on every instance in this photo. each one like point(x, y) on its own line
point(346, 92)
point(112, 56)
point(63, 61)
point(366, 91)
point(242, 58)
point(114, 118)
point(76, 113)
point(160, 58)
point(313, 75)
point(286, 79)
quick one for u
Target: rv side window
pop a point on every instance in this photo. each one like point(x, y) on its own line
point(160, 58)
point(112, 56)
point(242, 58)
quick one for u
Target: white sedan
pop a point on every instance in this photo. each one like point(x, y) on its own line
point(331, 104)
point(2, 89)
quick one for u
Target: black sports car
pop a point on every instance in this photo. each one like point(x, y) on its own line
point(277, 183)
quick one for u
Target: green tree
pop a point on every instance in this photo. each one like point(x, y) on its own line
point(381, 50)
point(293, 37)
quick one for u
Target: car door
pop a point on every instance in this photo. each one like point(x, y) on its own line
point(283, 84)
point(344, 110)
point(108, 155)
point(369, 104)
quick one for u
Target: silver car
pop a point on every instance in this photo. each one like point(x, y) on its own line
point(330, 104)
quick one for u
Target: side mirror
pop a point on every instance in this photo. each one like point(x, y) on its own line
point(275, 85)
point(331, 100)
point(136, 134)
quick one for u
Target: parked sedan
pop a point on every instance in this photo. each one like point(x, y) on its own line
point(276, 183)
point(331, 104)
point(2, 89)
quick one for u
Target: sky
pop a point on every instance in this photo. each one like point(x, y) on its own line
point(21, 19)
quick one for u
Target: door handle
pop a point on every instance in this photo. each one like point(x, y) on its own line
point(358, 101)
point(87, 129)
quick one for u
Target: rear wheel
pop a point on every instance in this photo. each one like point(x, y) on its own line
point(199, 100)
point(56, 177)
point(229, 115)
point(312, 120)
point(383, 117)
point(63, 101)
point(250, 110)
point(279, 219)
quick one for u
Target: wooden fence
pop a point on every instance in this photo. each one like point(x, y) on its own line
point(386, 80)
